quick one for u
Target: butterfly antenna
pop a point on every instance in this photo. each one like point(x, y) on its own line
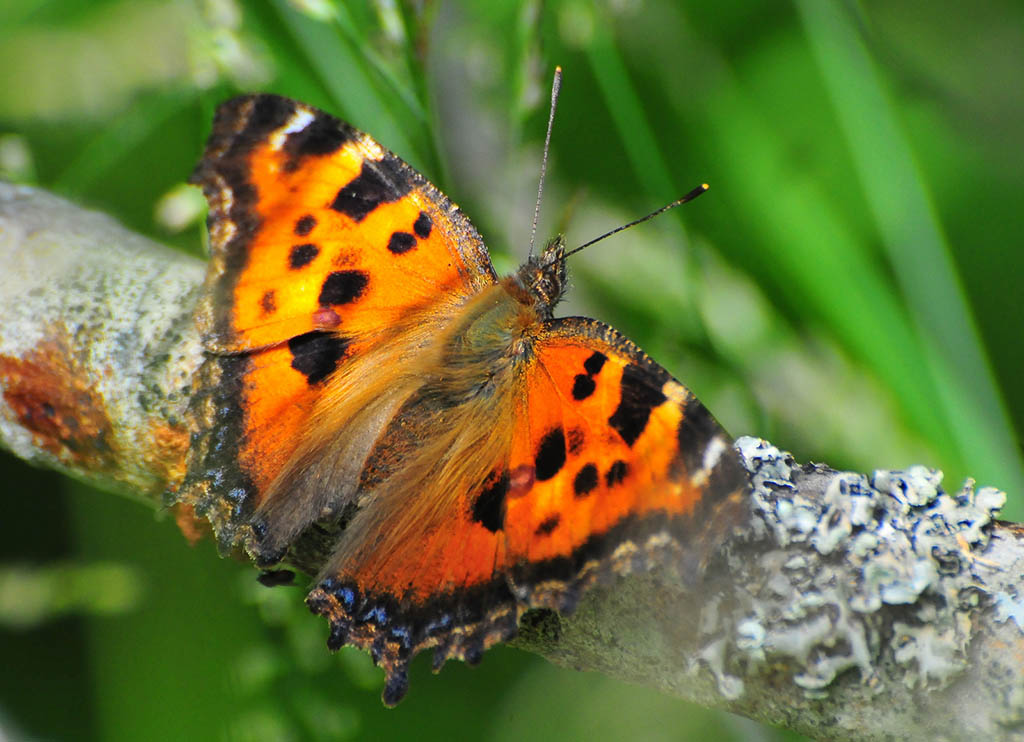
point(556, 86)
point(678, 202)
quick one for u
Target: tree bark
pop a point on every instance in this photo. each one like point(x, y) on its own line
point(850, 606)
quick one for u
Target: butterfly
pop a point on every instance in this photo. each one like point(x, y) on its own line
point(379, 410)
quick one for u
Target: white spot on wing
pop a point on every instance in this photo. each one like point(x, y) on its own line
point(712, 453)
point(296, 122)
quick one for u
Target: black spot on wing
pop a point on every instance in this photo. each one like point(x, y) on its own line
point(695, 431)
point(378, 182)
point(422, 225)
point(401, 242)
point(639, 396)
point(616, 473)
point(321, 136)
point(489, 506)
point(548, 525)
point(595, 363)
point(582, 387)
point(343, 287)
point(268, 113)
point(550, 455)
point(302, 255)
point(316, 354)
point(585, 481)
point(728, 476)
point(304, 225)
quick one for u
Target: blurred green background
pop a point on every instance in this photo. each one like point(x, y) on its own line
point(849, 289)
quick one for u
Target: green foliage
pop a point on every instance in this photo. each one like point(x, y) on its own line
point(847, 288)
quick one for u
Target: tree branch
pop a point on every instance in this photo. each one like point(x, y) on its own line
point(97, 344)
point(850, 607)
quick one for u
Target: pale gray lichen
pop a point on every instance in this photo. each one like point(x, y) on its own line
point(713, 657)
point(895, 538)
point(1009, 607)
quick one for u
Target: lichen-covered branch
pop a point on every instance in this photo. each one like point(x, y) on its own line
point(850, 607)
point(854, 607)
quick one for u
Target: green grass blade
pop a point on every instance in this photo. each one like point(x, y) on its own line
point(899, 199)
point(627, 111)
point(359, 82)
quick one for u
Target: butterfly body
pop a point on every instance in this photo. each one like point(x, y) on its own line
point(380, 411)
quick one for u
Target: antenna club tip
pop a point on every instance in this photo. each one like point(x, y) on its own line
point(558, 69)
point(704, 186)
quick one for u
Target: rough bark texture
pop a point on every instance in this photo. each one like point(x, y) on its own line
point(97, 344)
point(852, 607)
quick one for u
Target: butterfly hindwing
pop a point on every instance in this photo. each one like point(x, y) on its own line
point(628, 468)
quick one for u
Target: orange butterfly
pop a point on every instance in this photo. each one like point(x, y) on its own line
point(380, 410)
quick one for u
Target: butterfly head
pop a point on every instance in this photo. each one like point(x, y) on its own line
point(542, 279)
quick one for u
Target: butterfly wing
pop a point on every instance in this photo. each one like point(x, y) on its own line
point(629, 469)
point(323, 246)
point(436, 499)
point(609, 466)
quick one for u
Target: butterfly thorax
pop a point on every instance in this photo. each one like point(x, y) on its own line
point(493, 331)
